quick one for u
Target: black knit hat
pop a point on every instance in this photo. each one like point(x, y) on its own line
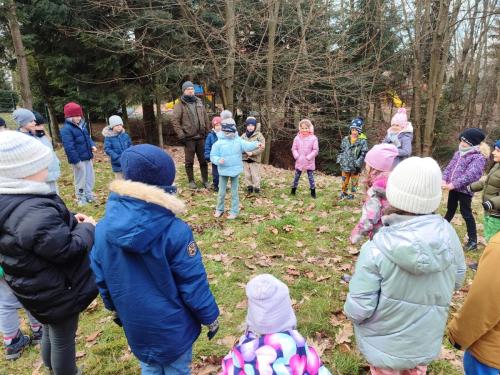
point(2, 123)
point(472, 136)
point(39, 119)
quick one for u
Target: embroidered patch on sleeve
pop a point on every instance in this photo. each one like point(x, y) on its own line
point(191, 248)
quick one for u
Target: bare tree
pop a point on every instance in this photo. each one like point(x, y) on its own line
point(22, 63)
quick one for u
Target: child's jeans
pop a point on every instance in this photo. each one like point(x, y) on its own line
point(181, 366)
point(58, 345)
point(465, 200)
point(83, 173)
point(9, 316)
point(215, 176)
point(419, 370)
point(235, 199)
point(473, 367)
point(353, 178)
point(310, 176)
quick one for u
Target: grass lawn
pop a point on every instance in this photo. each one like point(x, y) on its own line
point(298, 239)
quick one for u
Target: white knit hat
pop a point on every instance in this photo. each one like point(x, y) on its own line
point(21, 155)
point(415, 186)
point(115, 121)
point(269, 306)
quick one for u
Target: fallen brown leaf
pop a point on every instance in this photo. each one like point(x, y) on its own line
point(345, 333)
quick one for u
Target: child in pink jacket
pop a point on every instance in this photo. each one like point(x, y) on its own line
point(379, 162)
point(305, 149)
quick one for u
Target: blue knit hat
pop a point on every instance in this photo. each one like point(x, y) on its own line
point(22, 117)
point(228, 125)
point(251, 121)
point(472, 136)
point(150, 165)
point(357, 124)
point(497, 143)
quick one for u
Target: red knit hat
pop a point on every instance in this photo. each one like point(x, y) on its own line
point(72, 110)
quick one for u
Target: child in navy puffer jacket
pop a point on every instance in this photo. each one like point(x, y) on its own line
point(465, 168)
point(148, 267)
point(209, 143)
point(116, 140)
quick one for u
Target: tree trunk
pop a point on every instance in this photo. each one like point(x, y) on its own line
point(231, 38)
point(159, 124)
point(441, 40)
point(124, 113)
point(22, 62)
point(274, 7)
point(54, 125)
point(148, 117)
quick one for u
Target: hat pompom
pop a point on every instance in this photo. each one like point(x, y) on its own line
point(226, 114)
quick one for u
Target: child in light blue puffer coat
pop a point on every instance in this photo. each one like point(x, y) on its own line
point(405, 277)
point(226, 154)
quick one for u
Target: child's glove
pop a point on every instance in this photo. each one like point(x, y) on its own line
point(488, 206)
point(212, 329)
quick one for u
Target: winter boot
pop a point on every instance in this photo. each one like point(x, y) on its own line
point(342, 196)
point(17, 345)
point(204, 175)
point(36, 336)
point(190, 176)
point(249, 189)
point(256, 190)
point(471, 246)
point(294, 190)
point(313, 193)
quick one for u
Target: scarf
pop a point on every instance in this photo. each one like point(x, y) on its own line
point(304, 134)
point(20, 186)
point(188, 98)
point(465, 150)
point(249, 134)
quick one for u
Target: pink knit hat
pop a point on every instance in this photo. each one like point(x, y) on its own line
point(400, 118)
point(381, 157)
point(216, 120)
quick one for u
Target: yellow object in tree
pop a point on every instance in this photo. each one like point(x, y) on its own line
point(396, 100)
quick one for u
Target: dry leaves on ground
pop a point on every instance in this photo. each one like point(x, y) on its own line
point(345, 334)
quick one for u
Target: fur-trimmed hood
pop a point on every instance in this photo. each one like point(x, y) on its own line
point(148, 193)
point(108, 132)
point(138, 215)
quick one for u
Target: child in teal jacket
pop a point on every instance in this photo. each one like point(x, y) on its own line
point(405, 277)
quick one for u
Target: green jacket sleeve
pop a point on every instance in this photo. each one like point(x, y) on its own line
point(477, 186)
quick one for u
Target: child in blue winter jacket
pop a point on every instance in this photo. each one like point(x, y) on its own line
point(116, 140)
point(148, 267)
point(209, 143)
point(227, 155)
point(79, 149)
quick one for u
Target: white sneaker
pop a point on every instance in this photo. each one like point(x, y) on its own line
point(232, 216)
point(218, 213)
point(81, 202)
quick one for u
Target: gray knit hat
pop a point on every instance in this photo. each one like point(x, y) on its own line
point(21, 155)
point(22, 117)
point(269, 306)
point(115, 121)
point(187, 85)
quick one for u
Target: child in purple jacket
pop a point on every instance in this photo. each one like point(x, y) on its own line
point(400, 134)
point(465, 167)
